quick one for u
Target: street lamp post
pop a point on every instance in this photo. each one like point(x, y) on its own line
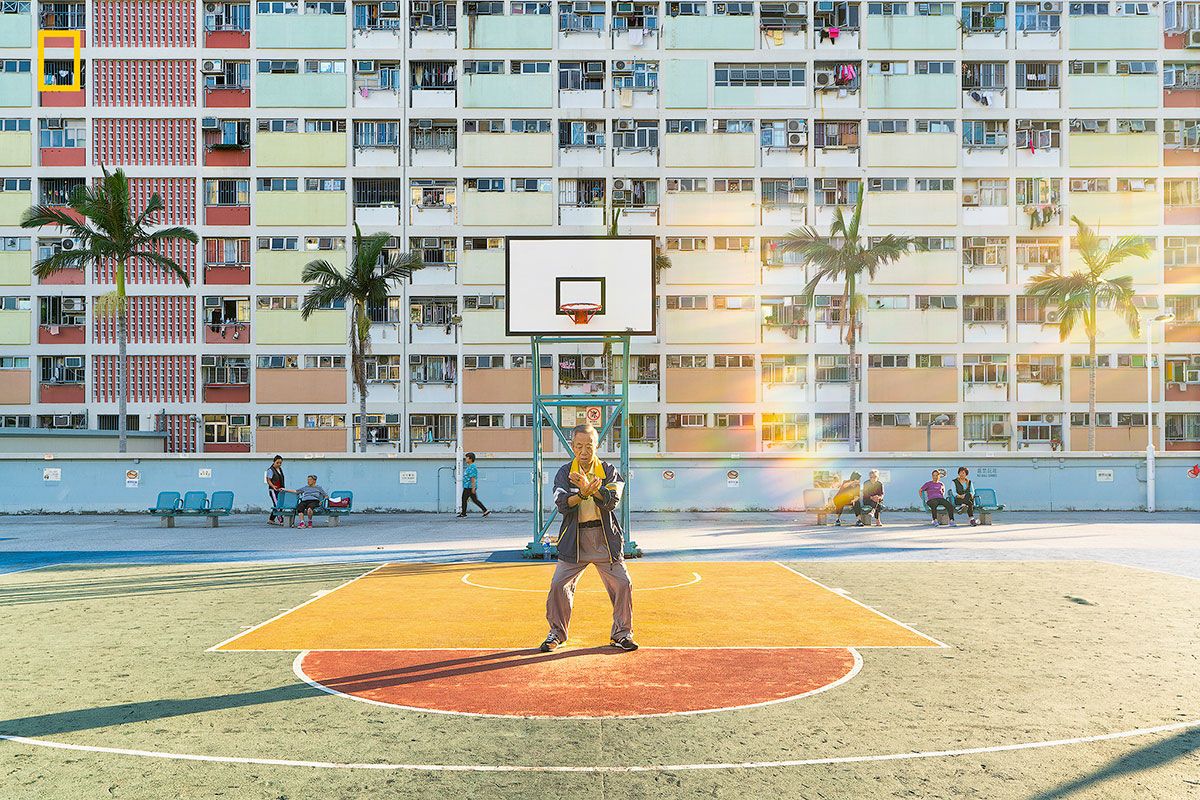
point(456, 321)
point(1163, 318)
point(940, 419)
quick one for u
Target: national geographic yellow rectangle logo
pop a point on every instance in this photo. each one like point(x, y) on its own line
point(76, 38)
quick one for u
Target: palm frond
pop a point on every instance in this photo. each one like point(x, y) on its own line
point(63, 259)
point(1126, 247)
point(169, 265)
point(41, 216)
point(319, 296)
point(321, 272)
point(171, 234)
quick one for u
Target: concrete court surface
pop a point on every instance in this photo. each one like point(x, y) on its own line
point(1070, 666)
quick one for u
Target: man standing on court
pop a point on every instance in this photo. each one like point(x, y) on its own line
point(587, 493)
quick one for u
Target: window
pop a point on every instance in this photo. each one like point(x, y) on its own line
point(786, 369)
point(278, 184)
point(432, 370)
point(324, 67)
point(893, 420)
point(733, 420)
point(1181, 251)
point(1137, 67)
point(687, 362)
point(887, 361)
point(1039, 428)
point(887, 184)
point(835, 136)
point(687, 301)
point(324, 362)
point(431, 428)
point(680, 185)
point(985, 192)
point(687, 243)
point(889, 302)
point(14, 244)
point(733, 361)
point(887, 126)
point(686, 126)
point(985, 427)
point(988, 369)
point(833, 369)
point(686, 421)
point(837, 191)
point(227, 192)
point(225, 370)
point(935, 184)
point(278, 420)
point(227, 429)
point(733, 185)
point(288, 303)
point(755, 75)
point(1032, 368)
point(1089, 68)
point(62, 370)
point(979, 252)
point(1037, 75)
point(1183, 427)
point(991, 133)
point(935, 361)
point(1181, 192)
point(279, 67)
point(385, 369)
point(1180, 133)
point(788, 428)
point(983, 76)
point(832, 428)
point(525, 361)
point(926, 302)
point(278, 362)
point(934, 67)
point(483, 420)
point(1039, 254)
point(58, 311)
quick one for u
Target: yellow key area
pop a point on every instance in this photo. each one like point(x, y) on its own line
point(502, 606)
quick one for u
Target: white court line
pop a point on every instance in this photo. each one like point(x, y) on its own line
point(31, 569)
point(864, 605)
point(216, 647)
point(799, 762)
point(298, 668)
point(695, 579)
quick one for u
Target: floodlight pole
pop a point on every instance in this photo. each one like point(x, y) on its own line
point(547, 406)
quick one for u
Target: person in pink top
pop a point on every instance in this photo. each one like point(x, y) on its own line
point(933, 493)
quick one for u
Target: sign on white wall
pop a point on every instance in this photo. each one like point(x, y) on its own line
point(732, 479)
point(204, 472)
point(132, 478)
point(1104, 476)
point(52, 474)
point(408, 476)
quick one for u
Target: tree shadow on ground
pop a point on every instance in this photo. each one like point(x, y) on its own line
point(1153, 755)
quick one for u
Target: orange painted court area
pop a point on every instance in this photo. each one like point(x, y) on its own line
point(577, 682)
point(502, 607)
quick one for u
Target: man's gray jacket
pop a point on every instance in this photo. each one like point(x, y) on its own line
point(607, 498)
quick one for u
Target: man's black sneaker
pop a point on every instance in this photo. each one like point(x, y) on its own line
point(627, 644)
point(551, 643)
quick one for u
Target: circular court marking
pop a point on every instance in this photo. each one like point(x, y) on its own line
point(604, 683)
point(798, 762)
point(465, 579)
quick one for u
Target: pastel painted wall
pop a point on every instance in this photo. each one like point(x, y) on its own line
point(1046, 482)
point(279, 149)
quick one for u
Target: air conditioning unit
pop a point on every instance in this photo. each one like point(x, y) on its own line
point(581, 7)
point(61, 420)
point(1193, 39)
point(69, 244)
point(1050, 7)
point(824, 79)
point(795, 8)
point(210, 8)
point(213, 65)
point(208, 361)
point(885, 67)
point(470, 362)
point(593, 68)
point(414, 360)
point(210, 124)
point(593, 127)
point(719, 8)
point(796, 139)
point(424, 124)
point(72, 304)
point(799, 184)
point(998, 430)
point(622, 66)
point(620, 184)
point(625, 125)
point(487, 301)
point(10, 243)
point(53, 124)
point(624, 8)
point(1193, 376)
point(364, 67)
point(970, 200)
point(1137, 185)
point(592, 362)
point(390, 7)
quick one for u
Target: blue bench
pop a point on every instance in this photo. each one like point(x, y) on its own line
point(169, 507)
point(286, 506)
point(986, 503)
point(165, 508)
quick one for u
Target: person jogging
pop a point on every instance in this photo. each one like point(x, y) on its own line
point(470, 486)
point(275, 483)
point(587, 492)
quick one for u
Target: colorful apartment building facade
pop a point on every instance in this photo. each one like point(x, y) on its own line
point(273, 128)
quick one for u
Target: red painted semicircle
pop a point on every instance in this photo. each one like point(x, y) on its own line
point(585, 682)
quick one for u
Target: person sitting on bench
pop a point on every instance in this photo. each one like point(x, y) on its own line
point(847, 496)
point(309, 497)
point(964, 494)
point(872, 498)
point(933, 493)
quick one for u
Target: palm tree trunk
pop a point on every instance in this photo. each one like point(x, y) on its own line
point(853, 388)
point(1092, 376)
point(122, 366)
point(362, 416)
point(358, 369)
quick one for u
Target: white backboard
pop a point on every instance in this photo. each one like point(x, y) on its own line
point(543, 272)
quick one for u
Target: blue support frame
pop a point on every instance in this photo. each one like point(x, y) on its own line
point(613, 407)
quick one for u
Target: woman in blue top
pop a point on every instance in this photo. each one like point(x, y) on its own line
point(470, 484)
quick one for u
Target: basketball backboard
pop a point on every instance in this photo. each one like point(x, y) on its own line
point(544, 273)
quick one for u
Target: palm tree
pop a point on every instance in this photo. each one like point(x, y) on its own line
point(366, 282)
point(841, 257)
point(1080, 294)
point(106, 227)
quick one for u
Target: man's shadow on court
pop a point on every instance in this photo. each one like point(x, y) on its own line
point(84, 719)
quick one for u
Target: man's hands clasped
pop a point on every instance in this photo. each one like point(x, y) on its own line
point(587, 487)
